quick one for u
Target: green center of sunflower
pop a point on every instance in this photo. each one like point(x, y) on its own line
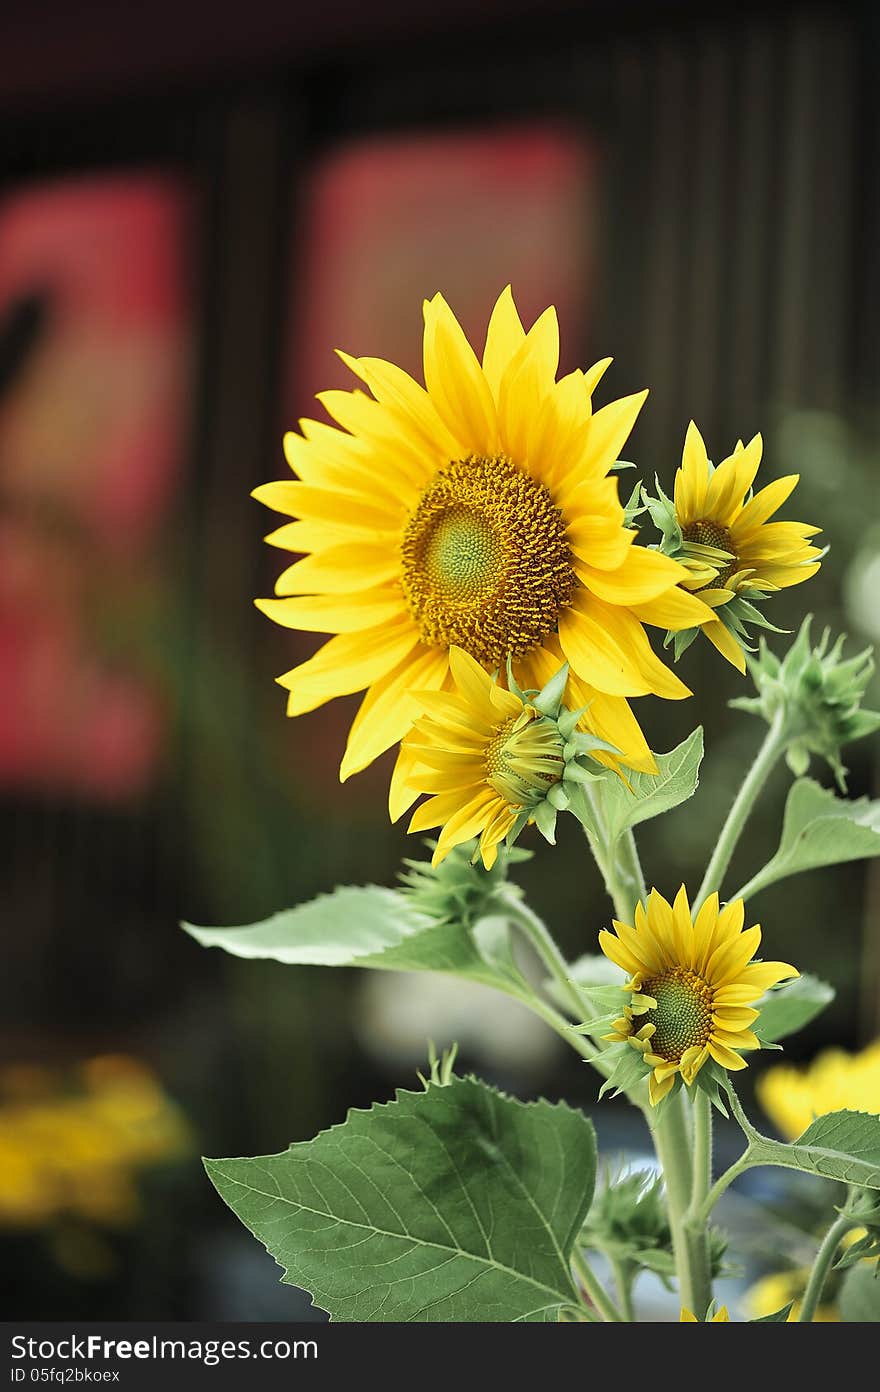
point(683, 1014)
point(705, 532)
point(486, 564)
point(524, 758)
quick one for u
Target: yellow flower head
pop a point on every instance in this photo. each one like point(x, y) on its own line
point(722, 1317)
point(733, 553)
point(835, 1081)
point(693, 982)
point(474, 512)
point(488, 759)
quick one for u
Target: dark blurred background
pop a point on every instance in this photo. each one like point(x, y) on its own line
point(195, 209)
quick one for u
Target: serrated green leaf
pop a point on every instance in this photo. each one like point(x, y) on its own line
point(820, 828)
point(360, 927)
point(841, 1145)
point(785, 1011)
point(859, 1299)
point(652, 794)
point(457, 1203)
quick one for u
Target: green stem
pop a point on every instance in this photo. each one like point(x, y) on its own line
point(822, 1265)
point(695, 1225)
point(773, 746)
point(701, 1209)
point(545, 945)
point(597, 1293)
point(673, 1145)
point(623, 1279)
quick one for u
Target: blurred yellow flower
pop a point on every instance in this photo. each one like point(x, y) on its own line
point(722, 1317)
point(481, 512)
point(835, 1081)
point(693, 982)
point(775, 1290)
point(77, 1151)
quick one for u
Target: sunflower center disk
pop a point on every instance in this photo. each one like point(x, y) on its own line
point(682, 1016)
point(524, 759)
point(705, 532)
point(485, 561)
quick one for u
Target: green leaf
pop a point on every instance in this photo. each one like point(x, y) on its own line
point(457, 1203)
point(841, 1145)
point(651, 794)
point(778, 1316)
point(820, 828)
point(365, 927)
point(788, 1009)
point(859, 1300)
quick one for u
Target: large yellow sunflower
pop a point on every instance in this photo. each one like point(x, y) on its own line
point(693, 982)
point(733, 553)
point(476, 512)
point(487, 758)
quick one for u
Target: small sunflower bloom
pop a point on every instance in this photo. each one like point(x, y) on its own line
point(490, 760)
point(692, 984)
point(478, 511)
point(721, 532)
point(720, 1317)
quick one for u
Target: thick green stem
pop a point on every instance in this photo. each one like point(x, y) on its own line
point(695, 1225)
point(822, 1265)
point(770, 751)
point(672, 1142)
point(594, 1288)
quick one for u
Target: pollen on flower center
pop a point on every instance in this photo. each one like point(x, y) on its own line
point(683, 1015)
point(486, 564)
point(524, 757)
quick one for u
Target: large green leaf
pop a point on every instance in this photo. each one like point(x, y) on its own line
point(859, 1301)
point(650, 794)
point(367, 927)
point(457, 1203)
point(820, 828)
point(785, 1011)
point(840, 1145)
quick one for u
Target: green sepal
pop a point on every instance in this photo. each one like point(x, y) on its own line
point(778, 1316)
point(712, 1080)
point(629, 1068)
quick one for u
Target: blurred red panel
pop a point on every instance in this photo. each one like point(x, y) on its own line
point(386, 223)
point(94, 384)
point(389, 222)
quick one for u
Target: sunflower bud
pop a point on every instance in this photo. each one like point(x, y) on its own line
point(493, 759)
point(816, 695)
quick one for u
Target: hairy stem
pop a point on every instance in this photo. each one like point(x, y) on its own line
point(772, 747)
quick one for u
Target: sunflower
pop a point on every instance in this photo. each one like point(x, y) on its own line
point(489, 760)
point(474, 512)
point(722, 1317)
point(722, 534)
point(693, 982)
point(835, 1081)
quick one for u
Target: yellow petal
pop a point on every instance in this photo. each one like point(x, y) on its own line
point(347, 663)
point(504, 337)
point(455, 381)
point(388, 710)
point(334, 613)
